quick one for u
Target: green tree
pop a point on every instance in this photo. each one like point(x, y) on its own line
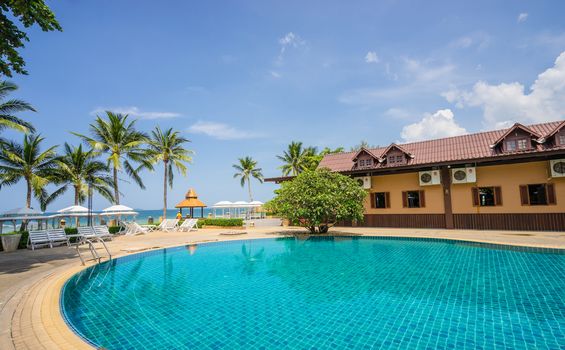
point(168, 147)
point(26, 161)
point(314, 158)
point(12, 38)
point(247, 169)
point(80, 170)
point(7, 109)
point(118, 138)
point(295, 159)
point(319, 199)
point(362, 144)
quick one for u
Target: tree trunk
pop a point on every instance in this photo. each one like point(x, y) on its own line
point(116, 190)
point(77, 191)
point(249, 188)
point(28, 196)
point(165, 178)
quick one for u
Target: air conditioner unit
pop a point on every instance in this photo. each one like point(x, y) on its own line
point(463, 175)
point(428, 178)
point(364, 182)
point(557, 167)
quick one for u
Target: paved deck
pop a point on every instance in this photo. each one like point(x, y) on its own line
point(31, 281)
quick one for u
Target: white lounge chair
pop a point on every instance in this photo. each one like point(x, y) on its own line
point(58, 236)
point(161, 226)
point(102, 232)
point(170, 225)
point(189, 225)
point(38, 239)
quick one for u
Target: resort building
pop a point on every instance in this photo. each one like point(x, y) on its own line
point(512, 179)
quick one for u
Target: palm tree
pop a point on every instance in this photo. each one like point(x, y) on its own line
point(8, 108)
point(246, 169)
point(26, 161)
point(118, 138)
point(295, 159)
point(168, 147)
point(81, 170)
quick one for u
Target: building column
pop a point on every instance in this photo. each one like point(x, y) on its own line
point(446, 186)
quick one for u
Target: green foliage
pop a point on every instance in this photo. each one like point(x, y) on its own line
point(71, 230)
point(318, 199)
point(114, 229)
point(123, 144)
point(362, 144)
point(8, 108)
point(26, 162)
point(298, 159)
point(220, 222)
point(80, 170)
point(12, 38)
point(247, 169)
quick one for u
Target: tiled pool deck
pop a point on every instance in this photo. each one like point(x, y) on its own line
point(31, 281)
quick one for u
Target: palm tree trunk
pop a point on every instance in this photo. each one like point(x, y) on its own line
point(28, 196)
point(116, 191)
point(249, 188)
point(77, 190)
point(165, 191)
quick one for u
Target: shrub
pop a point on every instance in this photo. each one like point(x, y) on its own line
point(113, 229)
point(220, 222)
point(318, 199)
point(71, 230)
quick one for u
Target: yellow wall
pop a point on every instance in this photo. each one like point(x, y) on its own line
point(509, 178)
point(395, 184)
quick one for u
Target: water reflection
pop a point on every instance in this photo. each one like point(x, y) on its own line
point(249, 260)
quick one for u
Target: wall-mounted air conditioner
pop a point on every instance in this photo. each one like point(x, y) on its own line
point(557, 167)
point(463, 175)
point(428, 178)
point(364, 181)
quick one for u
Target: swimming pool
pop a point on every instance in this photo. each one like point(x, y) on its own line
point(323, 293)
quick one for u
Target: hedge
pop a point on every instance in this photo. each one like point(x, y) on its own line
point(220, 222)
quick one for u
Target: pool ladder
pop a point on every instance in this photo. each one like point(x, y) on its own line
point(92, 248)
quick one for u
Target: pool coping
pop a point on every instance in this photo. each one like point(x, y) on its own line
point(42, 298)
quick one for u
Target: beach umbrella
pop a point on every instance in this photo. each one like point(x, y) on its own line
point(23, 214)
point(118, 211)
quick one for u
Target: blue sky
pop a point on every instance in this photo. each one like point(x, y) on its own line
point(247, 77)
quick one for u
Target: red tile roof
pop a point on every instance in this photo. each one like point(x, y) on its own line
point(455, 149)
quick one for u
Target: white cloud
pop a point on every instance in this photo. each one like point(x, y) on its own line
point(275, 74)
point(288, 40)
point(372, 57)
point(522, 17)
point(220, 131)
point(397, 113)
point(440, 124)
point(135, 112)
point(506, 103)
point(477, 40)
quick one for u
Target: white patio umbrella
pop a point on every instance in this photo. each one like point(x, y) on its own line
point(222, 205)
point(118, 211)
point(256, 203)
point(20, 214)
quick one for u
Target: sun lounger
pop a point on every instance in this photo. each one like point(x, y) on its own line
point(58, 236)
point(138, 229)
point(38, 239)
point(189, 225)
point(170, 225)
point(102, 232)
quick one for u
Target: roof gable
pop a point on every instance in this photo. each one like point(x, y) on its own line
point(513, 128)
point(554, 131)
point(393, 146)
point(363, 150)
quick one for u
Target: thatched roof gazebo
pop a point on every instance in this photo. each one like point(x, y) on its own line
point(191, 201)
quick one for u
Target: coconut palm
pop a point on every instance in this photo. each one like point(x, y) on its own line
point(246, 169)
point(295, 158)
point(26, 161)
point(80, 170)
point(7, 109)
point(117, 137)
point(168, 147)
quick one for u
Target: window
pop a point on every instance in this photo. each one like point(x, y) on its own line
point(562, 140)
point(486, 196)
point(362, 162)
point(522, 144)
point(391, 159)
point(380, 200)
point(399, 159)
point(537, 194)
point(413, 199)
point(511, 145)
point(369, 162)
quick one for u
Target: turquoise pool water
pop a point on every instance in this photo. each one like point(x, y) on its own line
point(323, 293)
